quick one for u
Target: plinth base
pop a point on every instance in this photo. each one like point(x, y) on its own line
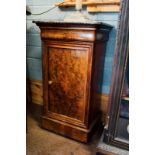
point(68, 130)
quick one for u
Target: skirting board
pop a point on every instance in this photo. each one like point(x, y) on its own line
point(36, 92)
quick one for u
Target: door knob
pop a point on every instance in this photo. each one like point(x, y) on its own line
point(50, 82)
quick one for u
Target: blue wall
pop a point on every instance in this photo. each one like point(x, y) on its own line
point(33, 41)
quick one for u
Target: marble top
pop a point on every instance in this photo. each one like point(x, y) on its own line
point(66, 22)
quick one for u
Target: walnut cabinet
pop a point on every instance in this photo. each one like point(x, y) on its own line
point(71, 55)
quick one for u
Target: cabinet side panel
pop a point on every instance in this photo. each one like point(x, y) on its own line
point(67, 81)
point(98, 62)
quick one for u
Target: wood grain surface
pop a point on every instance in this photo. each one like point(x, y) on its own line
point(68, 73)
point(95, 5)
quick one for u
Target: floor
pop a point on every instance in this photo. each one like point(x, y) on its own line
point(43, 142)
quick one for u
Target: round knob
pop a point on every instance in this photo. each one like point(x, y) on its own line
point(49, 82)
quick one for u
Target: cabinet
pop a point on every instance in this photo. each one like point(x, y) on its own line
point(71, 54)
point(116, 130)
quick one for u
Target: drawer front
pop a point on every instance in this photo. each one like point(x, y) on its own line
point(68, 82)
point(67, 34)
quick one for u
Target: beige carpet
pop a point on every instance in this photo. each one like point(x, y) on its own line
point(43, 142)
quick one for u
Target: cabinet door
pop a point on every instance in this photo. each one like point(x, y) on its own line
point(68, 81)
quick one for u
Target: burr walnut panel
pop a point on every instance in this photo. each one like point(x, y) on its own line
point(67, 81)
